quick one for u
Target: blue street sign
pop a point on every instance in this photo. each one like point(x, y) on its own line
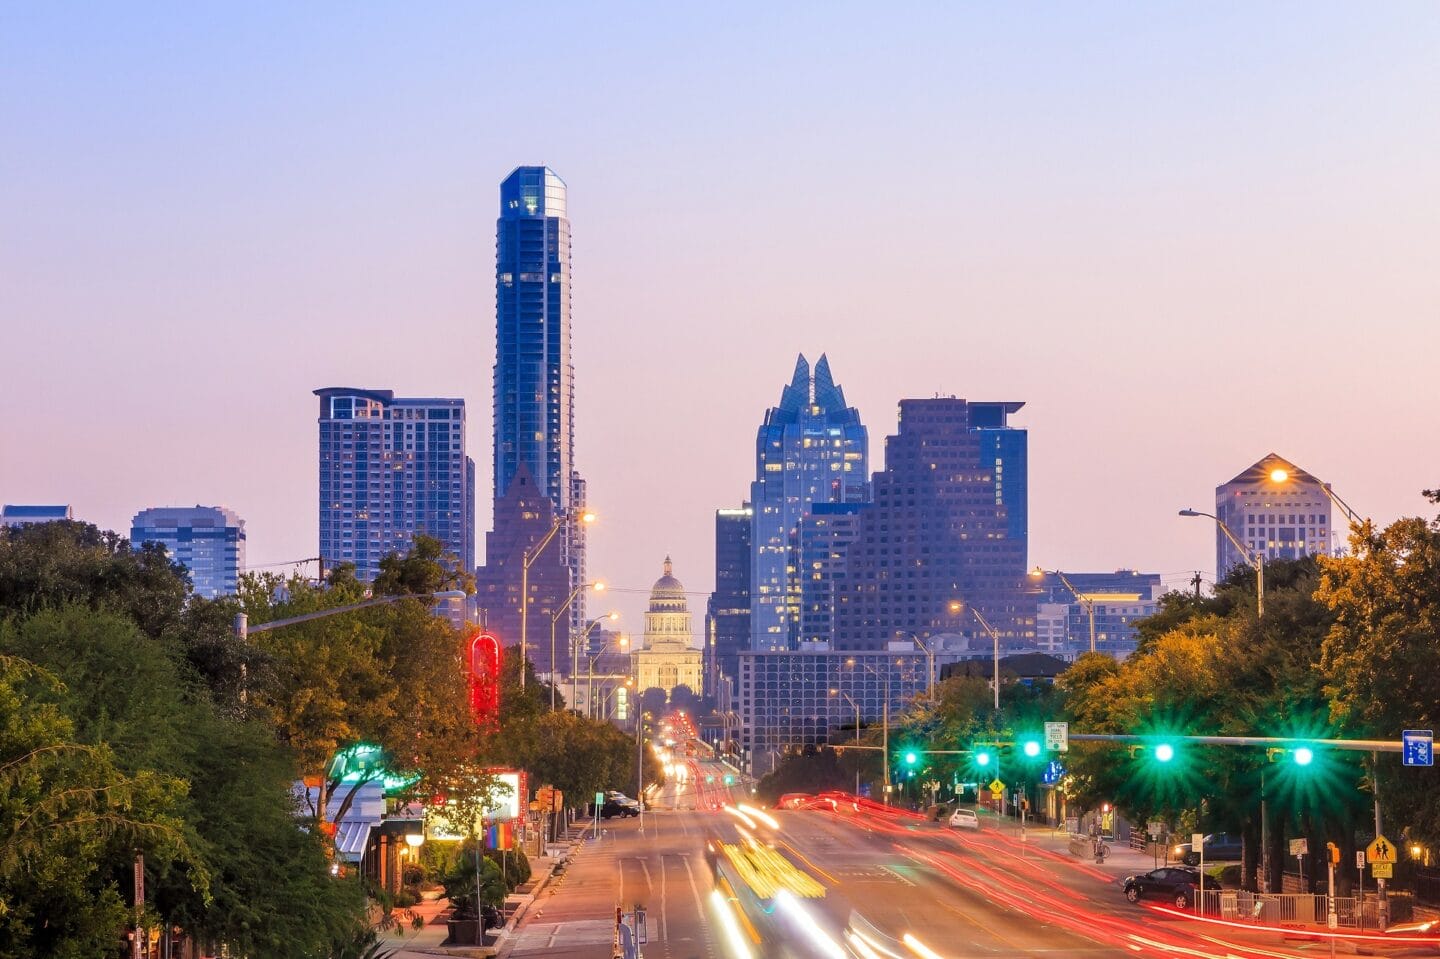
point(1419, 747)
point(1054, 772)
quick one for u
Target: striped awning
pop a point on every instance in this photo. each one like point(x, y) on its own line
point(351, 837)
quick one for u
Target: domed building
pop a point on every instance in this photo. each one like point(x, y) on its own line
point(670, 657)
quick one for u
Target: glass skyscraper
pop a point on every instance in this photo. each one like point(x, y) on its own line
point(390, 468)
point(209, 541)
point(534, 377)
point(811, 448)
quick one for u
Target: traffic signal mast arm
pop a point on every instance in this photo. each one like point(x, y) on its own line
point(1357, 745)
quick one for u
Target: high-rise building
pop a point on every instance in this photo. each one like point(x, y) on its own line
point(811, 448)
point(727, 614)
point(20, 515)
point(209, 541)
point(534, 377)
point(1276, 509)
point(392, 467)
point(941, 531)
point(819, 544)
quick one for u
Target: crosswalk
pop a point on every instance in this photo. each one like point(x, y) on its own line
point(536, 936)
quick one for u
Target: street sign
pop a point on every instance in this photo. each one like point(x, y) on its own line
point(997, 787)
point(1197, 841)
point(1418, 747)
point(1054, 772)
point(1381, 850)
point(1382, 870)
point(1057, 737)
point(1299, 847)
point(1359, 859)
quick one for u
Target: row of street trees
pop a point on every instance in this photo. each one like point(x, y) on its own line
point(133, 721)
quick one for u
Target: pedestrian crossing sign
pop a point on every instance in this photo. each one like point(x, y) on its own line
point(997, 787)
point(1381, 850)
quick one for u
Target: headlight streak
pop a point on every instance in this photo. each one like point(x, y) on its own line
point(734, 937)
point(759, 814)
point(785, 900)
point(919, 948)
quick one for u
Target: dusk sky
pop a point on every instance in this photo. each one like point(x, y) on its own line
point(1185, 235)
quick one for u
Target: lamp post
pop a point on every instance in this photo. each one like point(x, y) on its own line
point(958, 605)
point(929, 662)
point(554, 621)
point(1086, 600)
point(884, 720)
point(623, 643)
point(1255, 559)
point(528, 557)
point(857, 732)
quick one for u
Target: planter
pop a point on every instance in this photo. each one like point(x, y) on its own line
point(462, 932)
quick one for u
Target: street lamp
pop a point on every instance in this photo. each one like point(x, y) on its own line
point(621, 643)
point(1087, 601)
point(554, 621)
point(955, 607)
point(1253, 558)
point(930, 661)
point(884, 718)
point(852, 702)
point(528, 557)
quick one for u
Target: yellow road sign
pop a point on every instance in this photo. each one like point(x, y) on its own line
point(997, 787)
point(1381, 850)
point(1383, 870)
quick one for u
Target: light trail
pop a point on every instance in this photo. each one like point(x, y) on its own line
point(734, 936)
point(919, 948)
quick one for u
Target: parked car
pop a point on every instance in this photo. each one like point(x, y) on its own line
point(614, 808)
point(1175, 884)
point(964, 819)
point(1219, 847)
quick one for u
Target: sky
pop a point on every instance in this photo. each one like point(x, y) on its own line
point(1184, 234)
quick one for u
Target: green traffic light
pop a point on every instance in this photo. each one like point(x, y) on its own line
point(1032, 748)
point(982, 759)
point(1164, 752)
point(1303, 756)
point(911, 758)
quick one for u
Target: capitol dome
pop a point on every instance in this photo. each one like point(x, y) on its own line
point(668, 593)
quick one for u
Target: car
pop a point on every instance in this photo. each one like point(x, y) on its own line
point(1175, 884)
point(612, 808)
point(964, 819)
point(793, 801)
point(1219, 847)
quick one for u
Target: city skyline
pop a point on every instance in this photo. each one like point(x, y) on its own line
point(1181, 249)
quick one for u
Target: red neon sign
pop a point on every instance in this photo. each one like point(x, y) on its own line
point(485, 678)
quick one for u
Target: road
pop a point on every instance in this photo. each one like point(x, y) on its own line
point(959, 895)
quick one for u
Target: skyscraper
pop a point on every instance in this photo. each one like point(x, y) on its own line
point(209, 541)
point(820, 542)
point(1276, 509)
point(941, 530)
point(534, 377)
point(391, 468)
point(727, 614)
point(811, 448)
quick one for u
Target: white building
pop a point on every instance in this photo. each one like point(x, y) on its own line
point(1276, 509)
point(671, 656)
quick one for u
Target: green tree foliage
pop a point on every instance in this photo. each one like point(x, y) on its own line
point(811, 771)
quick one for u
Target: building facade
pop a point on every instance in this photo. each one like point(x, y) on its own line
point(21, 515)
point(1119, 600)
point(534, 376)
point(727, 613)
point(941, 534)
point(812, 448)
point(785, 699)
point(392, 467)
point(209, 541)
point(1276, 509)
point(669, 657)
point(818, 546)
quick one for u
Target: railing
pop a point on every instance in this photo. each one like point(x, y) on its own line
point(1289, 908)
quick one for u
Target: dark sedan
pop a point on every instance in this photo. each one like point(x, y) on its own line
point(1174, 884)
point(1219, 847)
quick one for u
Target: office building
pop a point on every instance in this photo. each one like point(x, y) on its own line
point(534, 376)
point(1277, 510)
point(811, 449)
point(20, 515)
point(818, 545)
point(390, 468)
point(785, 700)
point(727, 613)
point(209, 541)
point(941, 532)
point(669, 657)
point(1119, 599)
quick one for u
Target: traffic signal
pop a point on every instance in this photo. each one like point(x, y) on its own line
point(1303, 756)
point(1334, 852)
point(982, 758)
point(911, 757)
point(1164, 752)
point(1031, 748)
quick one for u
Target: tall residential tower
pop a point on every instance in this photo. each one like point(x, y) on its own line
point(811, 448)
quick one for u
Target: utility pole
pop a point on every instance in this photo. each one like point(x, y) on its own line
point(1195, 581)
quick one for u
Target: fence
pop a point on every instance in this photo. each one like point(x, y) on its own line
point(1278, 909)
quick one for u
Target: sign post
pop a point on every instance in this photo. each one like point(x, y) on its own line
point(1197, 841)
point(1360, 867)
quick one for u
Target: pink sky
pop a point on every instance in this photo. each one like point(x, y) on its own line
point(1184, 237)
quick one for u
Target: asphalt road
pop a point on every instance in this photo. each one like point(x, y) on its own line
point(960, 895)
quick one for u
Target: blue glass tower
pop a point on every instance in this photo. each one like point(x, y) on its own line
point(812, 448)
